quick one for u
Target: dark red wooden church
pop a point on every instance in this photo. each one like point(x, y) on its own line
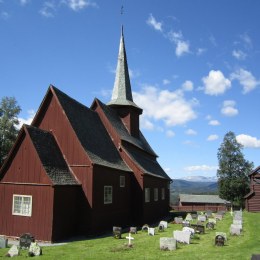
point(77, 170)
point(252, 199)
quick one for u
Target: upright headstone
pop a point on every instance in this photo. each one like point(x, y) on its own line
point(161, 227)
point(219, 240)
point(145, 227)
point(3, 242)
point(178, 220)
point(188, 229)
point(117, 232)
point(164, 223)
point(188, 217)
point(26, 240)
point(202, 218)
point(235, 230)
point(13, 251)
point(237, 222)
point(212, 220)
point(182, 236)
point(210, 225)
point(34, 249)
point(223, 234)
point(168, 243)
point(219, 216)
point(151, 231)
point(133, 230)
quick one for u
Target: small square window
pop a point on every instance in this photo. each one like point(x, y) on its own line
point(108, 194)
point(122, 181)
point(147, 194)
point(22, 205)
point(155, 194)
point(163, 194)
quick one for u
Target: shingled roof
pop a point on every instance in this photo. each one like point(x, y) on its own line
point(210, 199)
point(51, 156)
point(91, 133)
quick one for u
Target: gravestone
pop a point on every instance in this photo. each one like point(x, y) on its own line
point(209, 213)
point(145, 227)
point(237, 226)
point(168, 243)
point(194, 216)
point(210, 225)
point(34, 249)
point(133, 230)
point(129, 239)
point(219, 217)
point(188, 229)
point(188, 217)
point(235, 230)
point(151, 231)
point(198, 228)
point(212, 220)
point(255, 257)
point(182, 236)
point(219, 240)
point(237, 222)
point(13, 251)
point(117, 232)
point(178, 220)
point(185, 223)
point(202, 218)
point(3, 242)
point(25, 240)
point(223, 234)
point(164, 223)
point(161, 227)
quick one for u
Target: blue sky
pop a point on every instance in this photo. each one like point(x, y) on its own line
point(194, 67)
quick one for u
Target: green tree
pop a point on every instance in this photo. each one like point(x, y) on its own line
point(9, 110)
point(233, 181)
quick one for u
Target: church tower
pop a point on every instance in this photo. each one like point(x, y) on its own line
point(122, 99)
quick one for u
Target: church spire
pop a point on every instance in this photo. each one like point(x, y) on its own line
point(122, 93)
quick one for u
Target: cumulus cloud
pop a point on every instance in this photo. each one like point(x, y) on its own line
point(182, 46)
point(170, 133)
point(214, 122)
point(170, 107)
point(216, 83)
point(246, 79)
point(228, 108)
point(187, 85)
point(190, 132)
point(248, 141)
point(200, 168)
point(166, 82)
point(212, 137)
point(77, 5)
point(27, 120)
point(239, 55)
point(153, 23)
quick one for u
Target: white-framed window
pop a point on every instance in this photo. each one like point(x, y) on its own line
point(147, 194)
point(22, 205)
point(122, 181)
point(108, 194)
point(163, 193)
point(155, 193)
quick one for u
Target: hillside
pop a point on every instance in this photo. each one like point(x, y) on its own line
point(190, 187)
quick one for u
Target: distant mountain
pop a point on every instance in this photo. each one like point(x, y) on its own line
point(200, 179)
point(191, 187)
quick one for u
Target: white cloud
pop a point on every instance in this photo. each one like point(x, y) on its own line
point(248, 141)
point(247, 40)
point(200, 168)
point(48, 9)
point(228, 108)
point(200, 51)
point(213, 41)
point(170, 133)
point(166, 82)
point(215, 83)
point(187, 85)
point(170, 107)
point(153, 23)
point(239, 55)
point(212, 137)
point(246, 79)
point(24, 2)
point(77, 5)
point(214, 122)
point(27, 120)
point(146, 123)
point(190, 132)
point(182, 46)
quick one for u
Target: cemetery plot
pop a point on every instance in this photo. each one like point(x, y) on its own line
point(168, 243)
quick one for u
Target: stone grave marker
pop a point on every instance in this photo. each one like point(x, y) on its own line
point(151, 231)
point(237, 226)
point(178, 220)
point(25, 240)
point(13, 251)
point(237, 222)
point(182, 236)
point(133, 230)
point(185, 223)
point(202, 218)
point(129, 239)
point(212, 220)
point(161, 227)
point(235, 230)
point(255, 257)
point(168, 243)
point(3, 242)
point(164, 223)
point(145, 227)
point(210, 225)
point(219, 240)
point(219, 216)
point(198, 228)
point(194, 216)
point(188, 229)
point(188, 217)
point(34, 249)
point(209, 213)
point(223, 234)
point(117, 232)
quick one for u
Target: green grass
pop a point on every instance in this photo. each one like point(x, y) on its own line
point(147, 247)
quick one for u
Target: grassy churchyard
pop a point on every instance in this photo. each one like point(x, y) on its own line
point(147, 247)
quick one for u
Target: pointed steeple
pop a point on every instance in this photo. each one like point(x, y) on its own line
point(122, 93)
